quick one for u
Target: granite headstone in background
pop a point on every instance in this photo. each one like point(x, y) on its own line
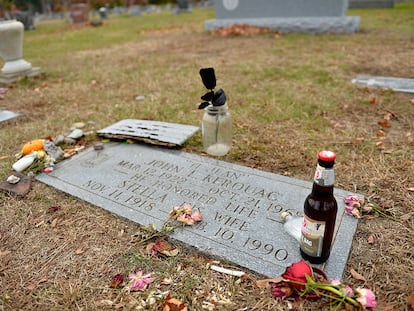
point(311, 16)
point(241, 206)
point(11, 51)
point(371, 4)
point(79, 13)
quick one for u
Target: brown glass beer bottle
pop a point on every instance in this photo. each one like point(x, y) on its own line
point(320, 210)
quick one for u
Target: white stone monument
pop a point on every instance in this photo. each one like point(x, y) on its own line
point(11, 51)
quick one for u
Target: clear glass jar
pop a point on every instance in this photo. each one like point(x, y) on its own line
point(216, 129)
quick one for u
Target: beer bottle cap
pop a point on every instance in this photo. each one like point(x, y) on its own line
point(327, 156)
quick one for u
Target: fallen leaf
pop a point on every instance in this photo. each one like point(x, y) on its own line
point(372, 100)
point(371, 239)
point(43, 280)
point(381, 134)
point(387, 116)
point(384, 123)
point(267, 283)
point(3, 253)
point(409, 136)
point(406, 217)
point(79, 251)
point(356, 275)
point(117, 280)
point(54, 223)
point(410, 301)
point(161, 247)
point(53, 209)
point(173, 304)
point(32, 286)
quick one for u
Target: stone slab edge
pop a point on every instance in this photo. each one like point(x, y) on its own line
point(13, 77)
point(371, 4)
point(311, 25)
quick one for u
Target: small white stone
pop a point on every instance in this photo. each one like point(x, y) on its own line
point(12, 179)
point(78, 125)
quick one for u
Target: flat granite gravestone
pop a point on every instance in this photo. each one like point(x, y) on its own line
point(7, 115)
point(241, 206)
point(396, 84)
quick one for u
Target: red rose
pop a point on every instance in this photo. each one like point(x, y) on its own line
point(297, 272)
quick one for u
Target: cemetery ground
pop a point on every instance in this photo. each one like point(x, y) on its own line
point(290, 95)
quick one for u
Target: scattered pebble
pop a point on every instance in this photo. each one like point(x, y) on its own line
point(52, 150)
point(140, 98)
point(59, 140)
point(75, 134)
point(69, 141)
point(98, 146)
point(12, 179)
point(78, 125)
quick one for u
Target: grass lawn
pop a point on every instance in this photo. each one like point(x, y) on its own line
point(290, 96)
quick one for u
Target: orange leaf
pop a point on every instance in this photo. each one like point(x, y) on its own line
point(356, 275)
point(161, 247)
point(410, 301)
point(384, 123)
point(79, 251)
point(172, 304)
point(381, 133)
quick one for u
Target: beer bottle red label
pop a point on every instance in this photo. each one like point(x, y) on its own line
point(320, 210)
